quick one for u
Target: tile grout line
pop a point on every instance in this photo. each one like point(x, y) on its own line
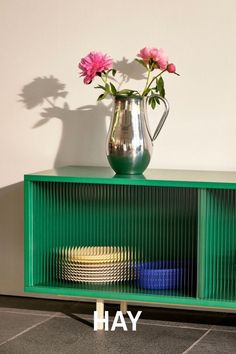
point(90, 317)
point(224, 330)
point(27, 330)
point(197, 341)
point(149, 324)
point(160, 325)
point(171, 326)
point(26, 313)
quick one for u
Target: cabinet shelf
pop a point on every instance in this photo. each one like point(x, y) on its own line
point(176, 218)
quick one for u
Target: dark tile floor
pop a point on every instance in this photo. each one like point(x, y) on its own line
point(61, 327)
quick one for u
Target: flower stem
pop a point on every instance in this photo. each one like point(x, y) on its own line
point(148, 77)
point(154, 78)
point(104, 80)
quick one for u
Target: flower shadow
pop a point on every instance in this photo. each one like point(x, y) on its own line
point(42, 89)
point(129, 70)
point(83, 129)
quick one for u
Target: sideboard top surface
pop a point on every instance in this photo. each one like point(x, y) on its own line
point(151, 177)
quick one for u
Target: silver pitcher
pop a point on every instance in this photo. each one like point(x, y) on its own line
point(129, 141)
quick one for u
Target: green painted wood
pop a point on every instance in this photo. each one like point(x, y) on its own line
point(104, 175)
point(219, 245)
point(163, 215)
point(157, 299)
point(202, 259)
point(28, 232)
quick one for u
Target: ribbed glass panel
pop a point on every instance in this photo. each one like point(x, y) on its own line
point(218, 273)
point(123, 238)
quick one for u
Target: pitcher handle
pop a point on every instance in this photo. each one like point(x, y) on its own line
point(164, 115)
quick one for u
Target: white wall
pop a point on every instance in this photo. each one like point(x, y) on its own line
point(43, 38)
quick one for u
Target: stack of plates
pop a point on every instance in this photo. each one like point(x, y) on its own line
point(94, 264)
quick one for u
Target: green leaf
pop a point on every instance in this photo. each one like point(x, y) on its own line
point(161, 81)
point(107, 88)
point(113, 71)
point(163, 93)
point(102, 96)
point(130, 92)
point(160, 87)
point(156, 99)
point(125, 92)
point(158, 83)
point(113, 89)
point(152, 102)
point(146, 92)
point(140, 61)
point(100, 87)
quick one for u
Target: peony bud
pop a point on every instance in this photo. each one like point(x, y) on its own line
point(171, 68)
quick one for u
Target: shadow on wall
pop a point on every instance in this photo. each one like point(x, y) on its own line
point(83, 128)
point(82, 142)
point(11, 238)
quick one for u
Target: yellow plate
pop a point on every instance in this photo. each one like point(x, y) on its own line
point(94, 254)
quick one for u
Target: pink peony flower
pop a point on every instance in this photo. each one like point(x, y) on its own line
point(154, 54)
point(92, 64)
point(162, 59)
point(145, 54)
point(171, 68)
point(157, 55)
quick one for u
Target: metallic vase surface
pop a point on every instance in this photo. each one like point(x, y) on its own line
point(129, 141)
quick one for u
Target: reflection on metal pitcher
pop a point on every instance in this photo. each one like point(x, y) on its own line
point(129, 143)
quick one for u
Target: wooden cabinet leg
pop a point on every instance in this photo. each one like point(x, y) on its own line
point(123, 307)
point(100, 313)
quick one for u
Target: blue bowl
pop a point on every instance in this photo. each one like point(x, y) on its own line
point(159, 275)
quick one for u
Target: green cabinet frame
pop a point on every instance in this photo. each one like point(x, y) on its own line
point(188, 216)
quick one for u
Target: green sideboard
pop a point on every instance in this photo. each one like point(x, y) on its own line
point(163, 215)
